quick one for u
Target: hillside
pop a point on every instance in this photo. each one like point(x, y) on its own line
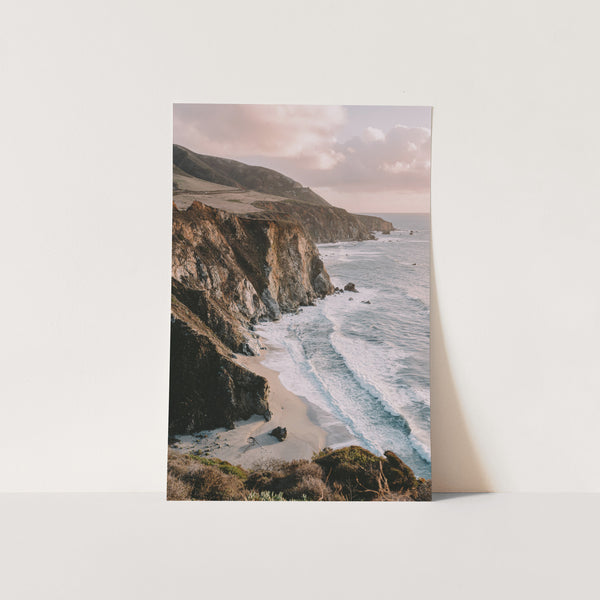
point(244, 189)
point(236, 174)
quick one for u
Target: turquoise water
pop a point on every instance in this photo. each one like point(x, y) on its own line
point(362, 360)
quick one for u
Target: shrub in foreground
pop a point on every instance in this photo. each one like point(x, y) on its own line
point(350, 473)
point(201, 481)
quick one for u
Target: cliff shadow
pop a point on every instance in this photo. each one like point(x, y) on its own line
point(455, 464)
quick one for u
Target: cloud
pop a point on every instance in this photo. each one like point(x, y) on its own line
point(303, 133)
point(372, 134)
point(397, 167)
point(327, 160)
point(397, 160)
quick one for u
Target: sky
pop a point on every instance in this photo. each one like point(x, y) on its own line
point(362, 158)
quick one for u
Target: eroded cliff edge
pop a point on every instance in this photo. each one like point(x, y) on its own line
point(229, 272)
point(375, 223)
point(239, 255)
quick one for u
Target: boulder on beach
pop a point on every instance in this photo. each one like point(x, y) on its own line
point(280, 433)
point(350, 287)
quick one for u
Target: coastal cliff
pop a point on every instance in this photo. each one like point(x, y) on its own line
point(228, 273)
point(233, 271)
point(207, 388)
point(243, 251)
point(375, 223)
point(324, 224)
point(238, 187)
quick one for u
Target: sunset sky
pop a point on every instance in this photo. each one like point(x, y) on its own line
point(362, 158)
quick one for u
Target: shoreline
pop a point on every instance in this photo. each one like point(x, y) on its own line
point(310, 428)
point(250, 443)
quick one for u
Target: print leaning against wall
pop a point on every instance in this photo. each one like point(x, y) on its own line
point(300, 303)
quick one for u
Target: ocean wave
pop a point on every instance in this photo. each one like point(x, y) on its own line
point(332, 390)
point(298, 373)
point(373, 368)
point(419, 293)
point(363, 359)
point(422, 446)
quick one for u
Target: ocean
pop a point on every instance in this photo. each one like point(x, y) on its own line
point(361, 360)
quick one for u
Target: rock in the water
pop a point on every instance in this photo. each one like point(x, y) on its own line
point(280, 433)
point(365, 301)
point(350, 287)
point(350, 299)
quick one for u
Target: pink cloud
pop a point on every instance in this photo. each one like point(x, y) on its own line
point(399, 159)
point(372, 134)
point(303, 133)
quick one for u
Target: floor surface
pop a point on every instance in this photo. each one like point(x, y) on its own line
point(131, 546)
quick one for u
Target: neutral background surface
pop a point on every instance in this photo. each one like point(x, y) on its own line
point(137, 546)
point(85, 232)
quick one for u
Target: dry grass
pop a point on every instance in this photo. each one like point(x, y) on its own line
point(351, 473)
point(190, 479)
point(177, 489)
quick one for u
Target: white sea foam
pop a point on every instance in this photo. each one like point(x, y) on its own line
point(374, 367)
point(363, 359)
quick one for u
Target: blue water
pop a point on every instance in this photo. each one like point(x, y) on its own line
point(365, 367)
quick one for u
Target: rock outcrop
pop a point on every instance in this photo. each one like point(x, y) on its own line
point(207, 389)
point(280, 433)
point(324, 224)
point(375, 223)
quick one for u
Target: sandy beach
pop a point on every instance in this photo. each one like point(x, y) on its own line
point(250, 443)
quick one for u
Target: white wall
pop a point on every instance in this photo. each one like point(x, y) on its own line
point(85, 231)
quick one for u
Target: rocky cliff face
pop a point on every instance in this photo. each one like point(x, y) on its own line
point(324, 224)
point(375, 223)
point(233, 270)
point(207, 389)
point(228, 272)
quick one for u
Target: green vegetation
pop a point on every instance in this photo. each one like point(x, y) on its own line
point(223, 466)
point(351, 473)
point(354, 455)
